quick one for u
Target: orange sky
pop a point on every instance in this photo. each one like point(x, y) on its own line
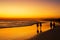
point(24, 9)
point(29, 9)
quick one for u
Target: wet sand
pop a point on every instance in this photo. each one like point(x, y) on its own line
point(52, 34)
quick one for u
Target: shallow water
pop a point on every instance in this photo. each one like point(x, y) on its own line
point(21, 33)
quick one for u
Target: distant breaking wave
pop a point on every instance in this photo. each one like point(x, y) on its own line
point(10, 24)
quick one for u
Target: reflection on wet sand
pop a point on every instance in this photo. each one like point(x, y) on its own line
point(27, 32)
point(17, 33)
point(22, 33)
point(51, 34)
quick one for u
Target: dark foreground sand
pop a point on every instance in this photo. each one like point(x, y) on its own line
point(53, 34)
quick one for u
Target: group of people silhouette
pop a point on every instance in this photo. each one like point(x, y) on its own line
point(52, 25)
point(39, 24)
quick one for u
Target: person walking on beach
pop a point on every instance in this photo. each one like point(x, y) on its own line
point(51, 25)
point(40, 27)
point(54, 25)
point(37, 27)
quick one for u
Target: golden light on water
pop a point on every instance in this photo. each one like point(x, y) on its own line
point(21, 33)
point(18, 32)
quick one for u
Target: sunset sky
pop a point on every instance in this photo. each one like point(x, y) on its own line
point(29, 9)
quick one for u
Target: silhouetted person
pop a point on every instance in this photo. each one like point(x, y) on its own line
point(40, 27)
point(40, 24)
point(37, 27)
point(54, 25)
point(51, 25)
